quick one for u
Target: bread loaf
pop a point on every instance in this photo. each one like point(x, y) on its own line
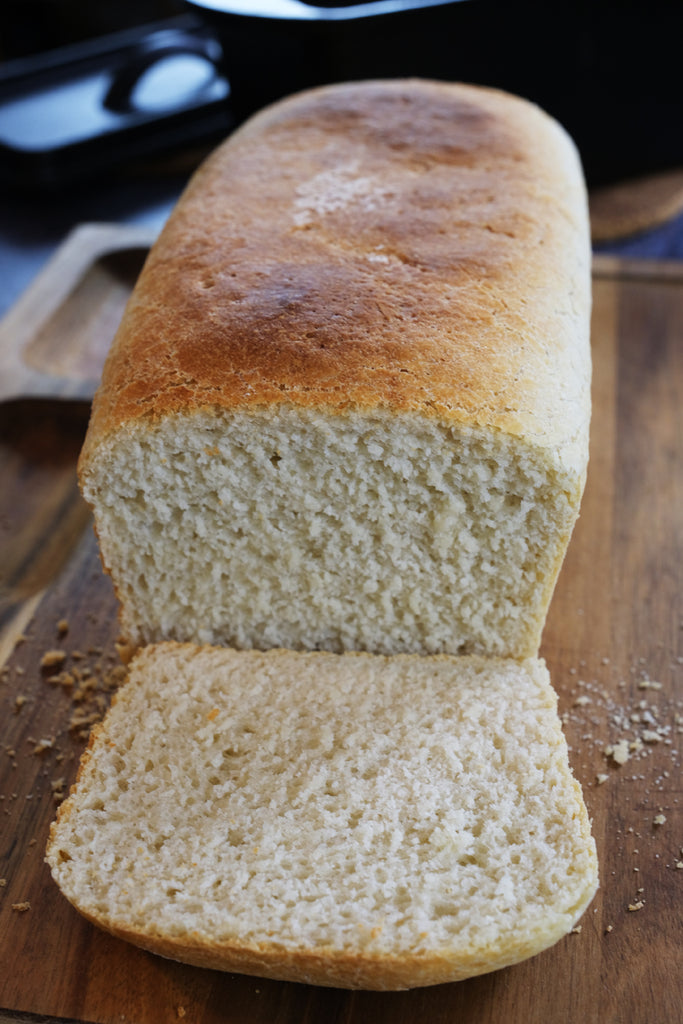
point(348, 820)
point(347, 407)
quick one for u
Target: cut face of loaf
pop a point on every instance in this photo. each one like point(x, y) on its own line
point(350, 820)
point(288, 528)
point(347, 407)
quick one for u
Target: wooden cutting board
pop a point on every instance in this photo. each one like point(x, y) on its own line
point(614, 644)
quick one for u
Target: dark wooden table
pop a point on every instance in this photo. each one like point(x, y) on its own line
point(613, 642)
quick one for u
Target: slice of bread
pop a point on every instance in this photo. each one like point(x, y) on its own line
point(349, 820)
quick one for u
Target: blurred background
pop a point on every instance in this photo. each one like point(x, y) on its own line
point(106, 106)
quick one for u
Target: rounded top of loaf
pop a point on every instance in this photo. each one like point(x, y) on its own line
point(410, 246)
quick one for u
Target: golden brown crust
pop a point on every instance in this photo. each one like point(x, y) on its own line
point(332, 968)
point(410, 245)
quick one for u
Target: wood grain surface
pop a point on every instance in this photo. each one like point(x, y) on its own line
point(55, 338)
point(613, 642)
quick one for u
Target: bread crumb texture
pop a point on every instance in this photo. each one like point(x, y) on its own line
point(347, 820)
point(288, 528)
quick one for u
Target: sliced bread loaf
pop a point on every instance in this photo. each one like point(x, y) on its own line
point(347, 820)
point(347, 407)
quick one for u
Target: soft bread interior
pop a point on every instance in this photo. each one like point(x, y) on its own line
point(346, 820)
point(357, 531)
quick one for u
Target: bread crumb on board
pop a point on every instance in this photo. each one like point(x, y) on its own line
point(53, 658)
point(623, 725)
point(58, 787)
point(619, 752)
point(88, 677)
point(43, 745)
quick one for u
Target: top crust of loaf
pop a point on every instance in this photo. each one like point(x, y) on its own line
point(410, 246)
